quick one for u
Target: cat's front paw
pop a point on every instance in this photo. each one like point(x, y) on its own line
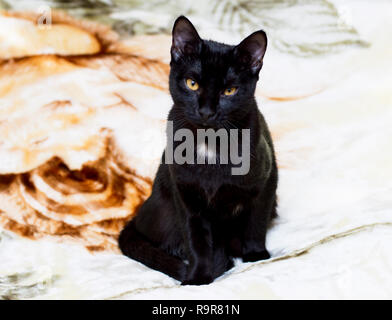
point(198, 280)
point(198, 276)
point(256, 256)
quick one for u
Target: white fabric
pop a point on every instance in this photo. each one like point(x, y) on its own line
point(333, 235)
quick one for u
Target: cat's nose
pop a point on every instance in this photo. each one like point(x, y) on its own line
point(206, 113)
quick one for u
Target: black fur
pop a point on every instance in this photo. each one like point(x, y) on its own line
point(199, 217)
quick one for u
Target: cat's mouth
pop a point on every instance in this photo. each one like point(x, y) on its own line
point(199, 123)
point(208, 125)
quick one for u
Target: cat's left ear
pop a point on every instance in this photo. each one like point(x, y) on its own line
point(186, 40)
point(250, 52)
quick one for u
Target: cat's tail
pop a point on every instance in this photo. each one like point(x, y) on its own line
point(137, 247)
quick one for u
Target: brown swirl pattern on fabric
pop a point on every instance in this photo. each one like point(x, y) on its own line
point(41, 195)
point(150, 72)
point(90, 205)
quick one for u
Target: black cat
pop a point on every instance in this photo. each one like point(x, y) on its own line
point(200, 216)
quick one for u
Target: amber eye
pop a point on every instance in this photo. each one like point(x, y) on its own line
point(230, 91)
point(192, 84)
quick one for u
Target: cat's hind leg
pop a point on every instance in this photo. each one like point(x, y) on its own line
point(134, 245)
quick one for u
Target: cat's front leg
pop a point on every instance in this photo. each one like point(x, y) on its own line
point(253, 245)
point(262, 211)
point(200, 252)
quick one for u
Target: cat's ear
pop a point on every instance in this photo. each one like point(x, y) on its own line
point(186, 40)
point(251, 50)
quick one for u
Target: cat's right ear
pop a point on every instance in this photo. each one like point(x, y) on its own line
point(185, 39)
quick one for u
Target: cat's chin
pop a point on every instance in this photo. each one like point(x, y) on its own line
point(206, 125)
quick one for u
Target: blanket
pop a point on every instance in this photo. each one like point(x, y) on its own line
point(83, 107)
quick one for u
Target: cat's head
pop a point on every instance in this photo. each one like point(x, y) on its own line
point(213, 83)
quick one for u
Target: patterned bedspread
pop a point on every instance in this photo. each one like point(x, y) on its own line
point(83, 106)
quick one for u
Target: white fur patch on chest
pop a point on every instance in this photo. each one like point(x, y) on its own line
point(237, 209)
point(203, 152)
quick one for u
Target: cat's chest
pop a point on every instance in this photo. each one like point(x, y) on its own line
point(205, 179)
point(222, 202)
point(205, 154)
point(215, 192)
